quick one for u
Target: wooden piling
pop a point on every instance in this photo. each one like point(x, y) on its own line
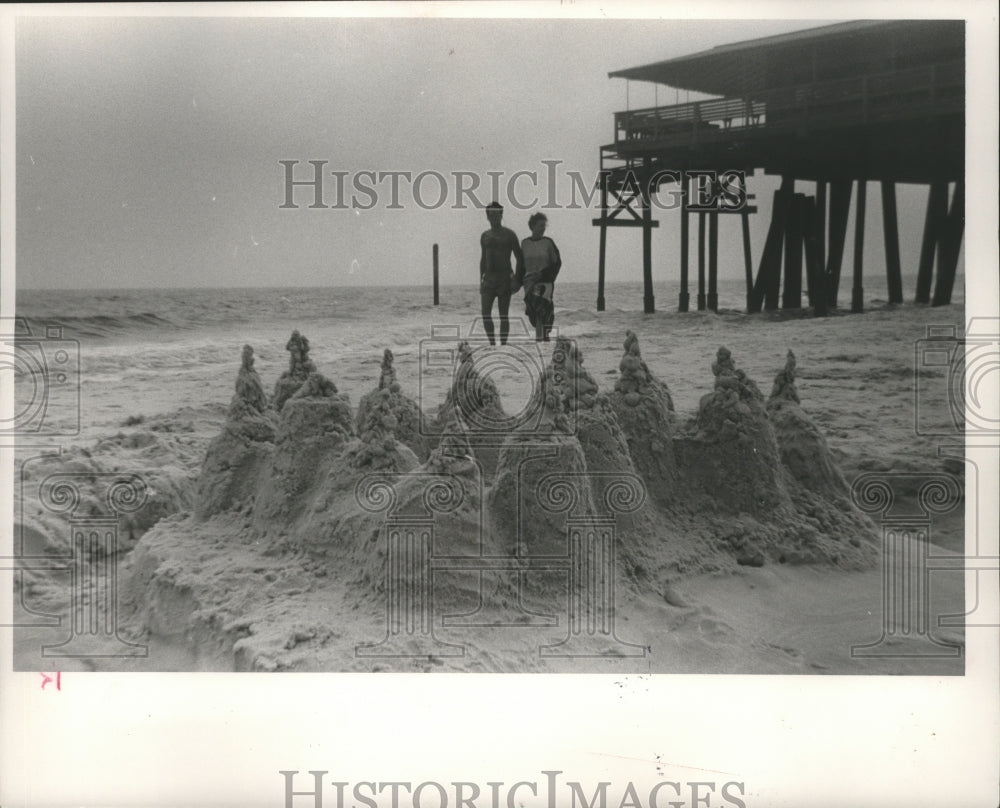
point(792, 298)
point(648, 305)
point(949, 247)
point(937, 209)
point(858, 290)
point(604, 242)
point(701, 260)
point(840, 208)
point(747, 257)
point(814, 257)
point(713, 261)
point(766, 287)
point(684, 299)
point(890, 229)
point(820, 220)
point(434, 253)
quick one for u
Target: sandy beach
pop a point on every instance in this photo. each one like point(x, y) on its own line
point(264, 580)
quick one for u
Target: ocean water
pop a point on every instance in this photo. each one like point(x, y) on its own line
point(162, 313)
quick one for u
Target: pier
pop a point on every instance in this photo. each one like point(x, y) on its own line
point(838, 107)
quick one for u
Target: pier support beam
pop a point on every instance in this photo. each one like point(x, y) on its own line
point(949, 246)
point(767, 285)
point(858, 290)
point(713, 261)
point(840, 208)
point(792, 299)
point(814, 257)
point(890, 229)
point(821, 221)
point(747, 257)
point(937, 211)
point(604, 242)
point(648, 306)
point(701, 260)
point(684, 299)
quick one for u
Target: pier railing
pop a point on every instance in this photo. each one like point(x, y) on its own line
point(918, 92)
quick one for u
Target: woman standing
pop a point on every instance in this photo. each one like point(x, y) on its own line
point(540, 268)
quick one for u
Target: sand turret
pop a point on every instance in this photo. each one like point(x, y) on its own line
point(235, 458)
point(410, 427)
point(315, 423)
point(733, 456)
point(643, 407)
point(299, 368)
point(803, 448)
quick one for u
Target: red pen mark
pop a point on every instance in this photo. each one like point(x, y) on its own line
point(46, 679)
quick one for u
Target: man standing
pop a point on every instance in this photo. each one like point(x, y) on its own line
point(496, 277)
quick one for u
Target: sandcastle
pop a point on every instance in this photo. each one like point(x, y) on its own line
point(760, 464)
point(511, 524)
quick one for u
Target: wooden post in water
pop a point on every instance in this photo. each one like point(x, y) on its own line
point(648, 305)
point(604, 241)
point(814, 257)
point(858, 290)
point(685, 298)
point(890, 229)
point(949, 247)
point(435, 255)
point(701, 260)
point(792, 298)
point(766, 287)
point(747, 257)
point(937, 210)
point(713, 261)
point(840, 210)
point(821, 220)
point(787, 194)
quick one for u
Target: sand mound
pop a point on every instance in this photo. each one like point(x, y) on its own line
point(472, 398)
point(535, 474)
point(643, 406)
point(235, 458)
point(160, 455)
point(473, 408)
point(732, 459)
point(410, 428)
point(817, 487)
point(757, 506)
point(377, 448)
point(315, 423)
point(804, 450)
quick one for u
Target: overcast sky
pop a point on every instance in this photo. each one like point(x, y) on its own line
point(148, 149)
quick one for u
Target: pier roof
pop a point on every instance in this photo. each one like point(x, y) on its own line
point(828, 51)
